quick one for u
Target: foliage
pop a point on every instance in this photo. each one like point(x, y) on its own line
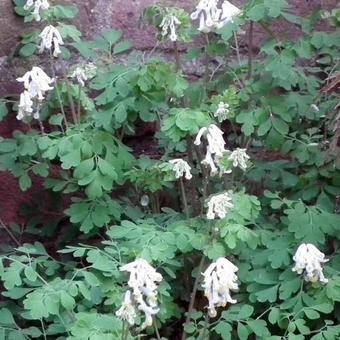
point(120, 204)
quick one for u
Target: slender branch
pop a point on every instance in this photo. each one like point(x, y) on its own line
point(2, 224)
point(184, 198)
point(237, 50)
point(156, 329)
point(70, 99)
point(57, 92)
point(177, 58)
point(193, 296)
point(79, 104)
point(250, 49)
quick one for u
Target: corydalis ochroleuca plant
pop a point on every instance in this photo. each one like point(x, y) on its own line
point(142, 281)
point(239, 158)
point(168, 26)
point(36, 83)
point(222, 112)
point(181, 167)
point(36, 6)
point(212, 16)
point(308, 260)
point(51, 37)
point(219, 205)
point(82, 73)
point(215, 147)
point(219, 280)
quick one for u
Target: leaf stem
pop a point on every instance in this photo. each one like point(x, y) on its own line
point(184, 198)
point(8, 231)
point(193, 296)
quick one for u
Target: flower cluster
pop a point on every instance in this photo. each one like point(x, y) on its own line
point(142, 282)
point(239, 158)
point(219, 280)
point(181, 167)
point(308, 260)
point(36, 6)
point(211, 16)
point(222, 112)
point(219, 205)
point(50, 37)
point(36, 83)
point(82, 73)
point(168, 26)
point(215, 148)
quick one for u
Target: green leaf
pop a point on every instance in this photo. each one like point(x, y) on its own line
point(242, 331)
point(122, 47)
point(6, 317)
point(224, 329)
point(274, 315)
point(311, 313)
point(28, 50)
point(269, 294)
point(112, 36)
point(67, 300)
point(280, 125)
point(31, 274)
point(259, 327)
point(25, 182)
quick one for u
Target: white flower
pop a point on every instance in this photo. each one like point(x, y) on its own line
point(36, 82)
point(143, 278)
point(51, 37)
point(145, 200)
point(219, 280)
point(25, 106)
point(219, 206)
point(83, 72)
point(36, 5)
point(308, 260)
point(222, 112)
point(127, 312)
point(181, 167)
point(211, 16)
point(169, 23)
point(215, 148)
point(239, 158)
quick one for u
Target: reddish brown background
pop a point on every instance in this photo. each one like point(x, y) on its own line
point(95, 16)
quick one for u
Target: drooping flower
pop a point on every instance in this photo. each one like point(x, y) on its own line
point(51, 37)
point(239, 158)
point(83, 72)
point(36, 6)
point(219, 205)
point(144, 200)
point(222, 112)
point(25, 107)
point(219, 280)
point(168, 26)
point(181, 167)
point(142, 281)
point(127, 311)
point(36, 82)
point(308, 261)
point(211, 16)
point(215, 147)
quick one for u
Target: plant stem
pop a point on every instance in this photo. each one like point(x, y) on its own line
point(79, 106)
point(237, 50)
point(70, 99)
point(156, 329)
point(206, 324)
point(2, 224)
point(57, 92)
point(193, 296)
point(177, 58)
point(206, 72)
point(184, 198)
point(250, 49)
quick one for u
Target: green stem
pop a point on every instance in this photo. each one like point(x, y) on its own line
point(8, 231)
point(206, 325)
point(193, 296)
point(156, 329)
point(79, 106)
point(237, 50)
point(250, 49)
point(70, 99)
point(58, 93)
point(184, 198)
